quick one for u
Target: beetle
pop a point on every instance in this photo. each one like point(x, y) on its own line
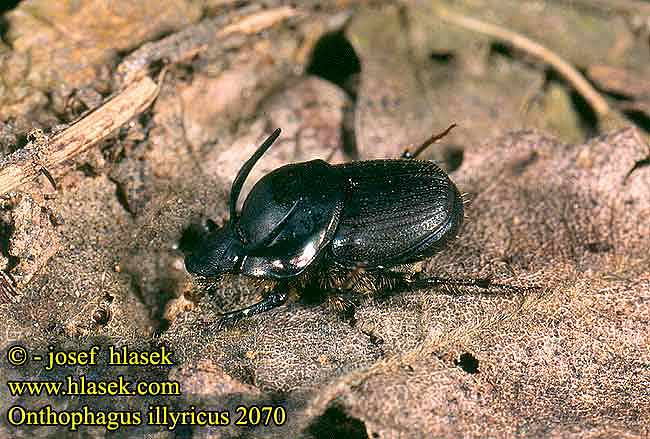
point(346, 226)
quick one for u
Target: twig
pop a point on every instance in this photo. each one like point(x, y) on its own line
point(44, 153)
point(566, 70)
point(183, 45)
point(8, 292)
point(631, 8)
point(430, 141)
point(259, 21)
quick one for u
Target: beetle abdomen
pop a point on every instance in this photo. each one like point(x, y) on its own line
point(396, 212)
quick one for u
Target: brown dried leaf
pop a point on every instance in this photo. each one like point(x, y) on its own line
point(67, 41)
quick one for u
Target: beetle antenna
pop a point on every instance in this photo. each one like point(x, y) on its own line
point(238, 183)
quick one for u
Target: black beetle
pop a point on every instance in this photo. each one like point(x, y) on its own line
point(313, 220)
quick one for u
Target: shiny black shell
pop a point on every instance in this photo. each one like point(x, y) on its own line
point(289, 217)
point(396, 212)
point(372, 214)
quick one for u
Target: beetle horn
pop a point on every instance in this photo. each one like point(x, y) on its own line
point(238, 183)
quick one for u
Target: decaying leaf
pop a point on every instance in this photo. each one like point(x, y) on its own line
point(553, 203)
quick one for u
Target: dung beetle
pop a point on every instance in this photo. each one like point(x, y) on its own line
point(344, 226)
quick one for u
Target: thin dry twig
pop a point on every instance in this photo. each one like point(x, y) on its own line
point(8, 292)
point(631, 8)
point(566, 70)
point(182, 46)
point(259, 21)
point(43, 153)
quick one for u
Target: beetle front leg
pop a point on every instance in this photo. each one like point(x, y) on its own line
point(272, 300)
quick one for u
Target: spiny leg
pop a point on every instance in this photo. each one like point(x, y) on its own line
point(405, 281)
point(344, 303)
point(342, 297)
point(430, 141)
point(345, 288)
point(452, 284)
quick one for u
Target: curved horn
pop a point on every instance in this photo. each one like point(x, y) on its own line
point(238, 183)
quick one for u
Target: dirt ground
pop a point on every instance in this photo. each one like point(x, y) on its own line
point(123, 125)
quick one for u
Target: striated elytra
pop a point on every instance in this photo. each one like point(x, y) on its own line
point(314, 222)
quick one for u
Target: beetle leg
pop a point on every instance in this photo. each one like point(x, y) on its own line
point(272, 300)
point(343, 303)
point(452, 285)
point(406, 281)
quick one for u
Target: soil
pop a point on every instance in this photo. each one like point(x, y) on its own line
point(173, 96)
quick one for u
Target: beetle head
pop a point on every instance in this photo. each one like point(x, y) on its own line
point(218, 253)
point(222, 249)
